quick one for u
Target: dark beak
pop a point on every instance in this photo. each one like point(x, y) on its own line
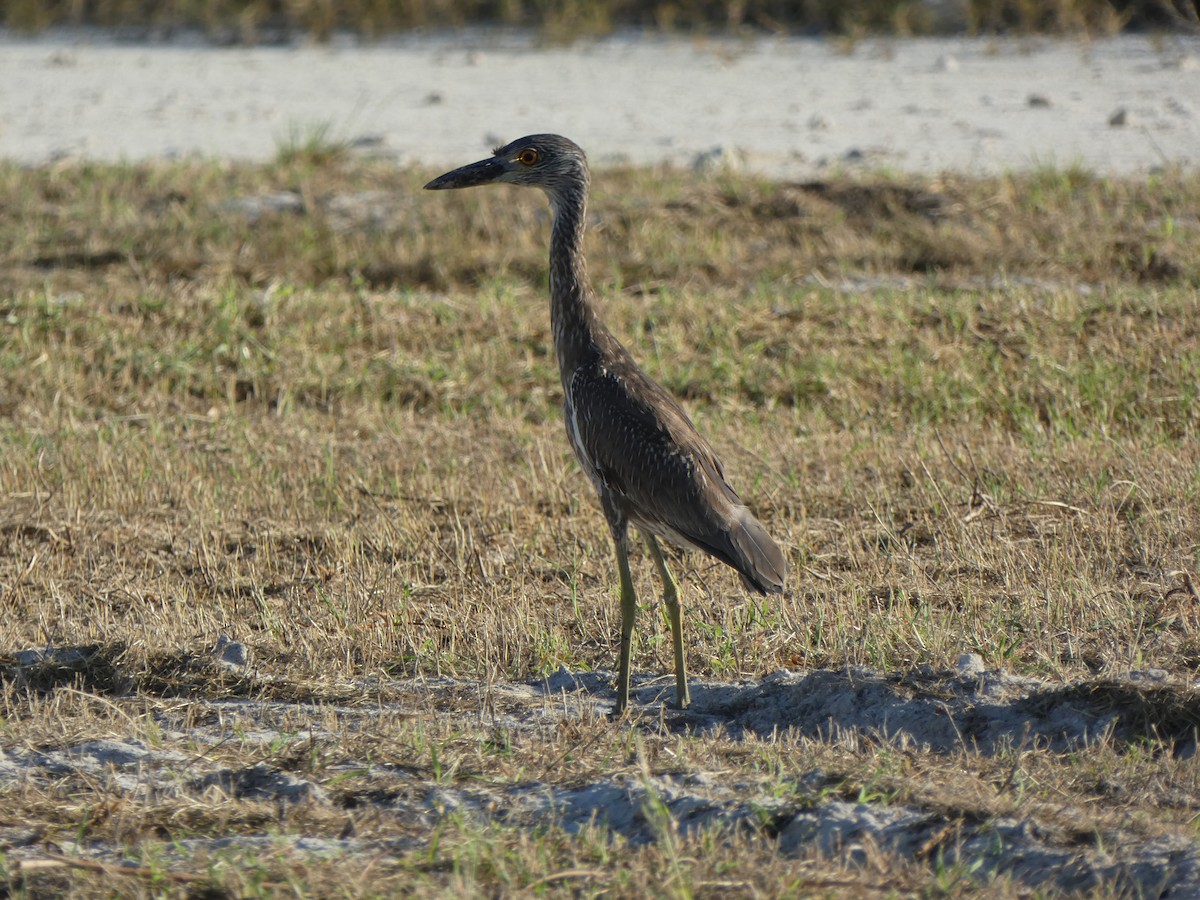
point(482, 172)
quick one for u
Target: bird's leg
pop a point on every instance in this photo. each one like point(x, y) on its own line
point(683, 697)
point(628, 614)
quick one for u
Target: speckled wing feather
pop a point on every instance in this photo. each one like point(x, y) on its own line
point(658, 470)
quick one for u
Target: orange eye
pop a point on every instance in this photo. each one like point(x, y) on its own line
point(527, 157)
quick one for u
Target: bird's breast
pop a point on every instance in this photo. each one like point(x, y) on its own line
point(575, 439)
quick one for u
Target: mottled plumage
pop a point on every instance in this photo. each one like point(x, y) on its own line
point(638, 447)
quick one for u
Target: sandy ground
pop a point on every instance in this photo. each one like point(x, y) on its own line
point(784, 107)
point(969, 709)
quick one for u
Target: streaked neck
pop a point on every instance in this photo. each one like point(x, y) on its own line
point(573, 319)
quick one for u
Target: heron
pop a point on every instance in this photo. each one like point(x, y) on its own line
point(649, 465)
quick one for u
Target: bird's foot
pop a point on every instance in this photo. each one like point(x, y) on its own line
point(683, 697)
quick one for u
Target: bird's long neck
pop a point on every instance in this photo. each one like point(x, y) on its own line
point(573, 318)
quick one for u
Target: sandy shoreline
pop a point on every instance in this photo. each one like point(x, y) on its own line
point(784, 107)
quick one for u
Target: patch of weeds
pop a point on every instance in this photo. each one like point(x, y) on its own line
point(311, 146)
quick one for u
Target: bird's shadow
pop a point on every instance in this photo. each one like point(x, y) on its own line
point(980, 711)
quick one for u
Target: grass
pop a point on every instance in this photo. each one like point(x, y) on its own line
point(968, 408)
point(572, 19)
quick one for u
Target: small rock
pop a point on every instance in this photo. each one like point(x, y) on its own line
point(368, 142)
point(718, 159)
point(946, 63)
point(1038, 101)
point(562, 680)
point(970, 665)
point(864, 156)
point(231, 653)
point(818, 122)
point(1120, 118)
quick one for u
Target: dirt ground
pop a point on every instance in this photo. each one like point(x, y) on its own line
point(967, 713)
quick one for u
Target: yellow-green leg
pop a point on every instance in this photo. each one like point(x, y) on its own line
point(683, 697)
point(628, 614)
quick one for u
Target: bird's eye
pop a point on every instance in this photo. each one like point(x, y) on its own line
point(527, 157)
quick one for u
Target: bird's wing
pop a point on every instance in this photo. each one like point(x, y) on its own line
point(646, 451)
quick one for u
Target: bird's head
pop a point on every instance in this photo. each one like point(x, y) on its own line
point(548, 161)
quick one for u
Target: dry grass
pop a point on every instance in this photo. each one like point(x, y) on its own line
point(254, 20)
point(968, 408)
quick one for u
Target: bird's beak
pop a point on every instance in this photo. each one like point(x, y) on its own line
point(482, 172)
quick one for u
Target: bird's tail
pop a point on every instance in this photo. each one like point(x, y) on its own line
point(758, 558)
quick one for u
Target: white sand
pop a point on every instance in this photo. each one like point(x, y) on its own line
point(783, 106)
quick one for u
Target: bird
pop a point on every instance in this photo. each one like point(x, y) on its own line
point(649, 465)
